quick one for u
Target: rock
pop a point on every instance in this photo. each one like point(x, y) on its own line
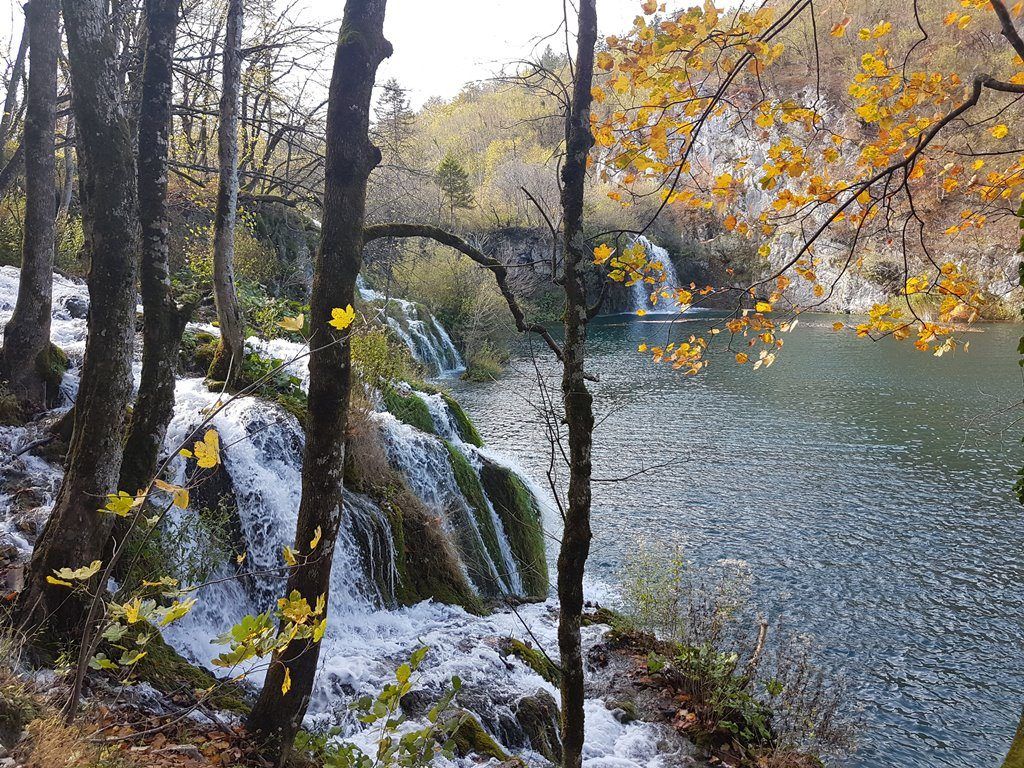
point(77, 307)
point(538, 716)
point(471, 739)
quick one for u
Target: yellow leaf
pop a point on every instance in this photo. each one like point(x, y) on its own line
point(839, 28)
point(742, 357)
point(602, 253)
point(180, 494)
point(342, 318)
point(79, 574)
point(650, 6)
point(133, 610)
point(316, 538)
point(999, 131)
point(293, 323)
point(763, 306)
point(120, 504)
point(641, 312)
point(642, 348)
point(837, 326)
point(207, 450)
point(286, 684)
point(289, 556)
point(58, 582)
point(604, 60)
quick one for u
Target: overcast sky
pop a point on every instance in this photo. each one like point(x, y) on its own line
point(441, 44)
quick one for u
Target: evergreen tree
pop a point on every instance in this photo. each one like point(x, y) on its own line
point(394, 121)
point(453, 182)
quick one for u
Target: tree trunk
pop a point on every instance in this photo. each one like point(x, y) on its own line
point(1015, 757)
point(228, 361)
point(9, 118)
point(67, 189)
point(76, 533)
point(350, 158)
point(577, 400)
point(163, 323)
point(26, 351)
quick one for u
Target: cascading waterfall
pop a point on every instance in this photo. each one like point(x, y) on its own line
point(367, 636)
point(641, 291)
point(426, 338)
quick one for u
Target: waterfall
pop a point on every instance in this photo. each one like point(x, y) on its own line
point(641, 291)
point(425, 337)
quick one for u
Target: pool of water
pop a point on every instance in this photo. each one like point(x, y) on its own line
point(867, 485)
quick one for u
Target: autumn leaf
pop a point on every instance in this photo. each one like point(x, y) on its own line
point(316, 538)
point(180, 494)
point(742, 357)
point(286, 684)
point(602, 253)
point(207, 450)
point(650, 6)
point(762, 306)
point(999, 131)
point(293, 323)
point(120, 503)
point(79, 574)
point(837, 326)
point(839, 28)
point(342, 318)
point(58, 582)
point(289, 556)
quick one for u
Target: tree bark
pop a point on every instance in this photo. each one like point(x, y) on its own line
point(67, 189)
point(576, 399)
point(76, 533)
point(25, 356)
point(9, 118)
point(1015, 757)
point(163, 322)
point(350, 158)
point(228, 361)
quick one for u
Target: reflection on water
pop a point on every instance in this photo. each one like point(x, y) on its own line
point(868, 486)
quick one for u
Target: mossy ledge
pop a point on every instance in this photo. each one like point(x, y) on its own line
point(467, 430)
point(471, 739)
point(520, 517)
point(469, 484)
point(408, 408)
point(534, 658)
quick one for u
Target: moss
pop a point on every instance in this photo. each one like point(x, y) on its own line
point(52, 364)
point(613, 619)
point(471, 739)
point(408, 408)
point(197, 352)
point(533, 658)
point(520, 517)
point(469, 484)
point(11, 413)
point(169, 672)
point(539, 719)
point(428, 568)
point(628, 709)
point(466, 428)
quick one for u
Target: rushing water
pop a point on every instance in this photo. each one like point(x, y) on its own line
point(867, 485)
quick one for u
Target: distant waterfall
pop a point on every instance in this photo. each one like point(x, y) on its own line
point(641, 291)
point(427, 340)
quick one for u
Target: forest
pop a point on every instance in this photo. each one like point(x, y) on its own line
point(647, 395)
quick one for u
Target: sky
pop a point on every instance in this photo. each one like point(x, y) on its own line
point(441, 44)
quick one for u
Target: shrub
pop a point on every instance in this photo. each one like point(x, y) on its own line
point(750, 686)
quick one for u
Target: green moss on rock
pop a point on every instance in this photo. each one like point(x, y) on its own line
point(467, 430)
point(52, 363)
point(533, 658)
point(428, 567)
point(521, 519)
point(197, 351)
point(470, 738)
point(11, 412)
point(408, 408)
point(470, 486)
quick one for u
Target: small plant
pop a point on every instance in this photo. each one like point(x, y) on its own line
point(747, 686)
point(399, 742)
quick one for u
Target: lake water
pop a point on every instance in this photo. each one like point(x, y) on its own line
point(867, 485)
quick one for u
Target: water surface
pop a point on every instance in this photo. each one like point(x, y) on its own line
point(869, 487)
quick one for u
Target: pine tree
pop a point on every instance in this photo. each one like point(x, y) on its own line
point(453, 182)
point(394, 122)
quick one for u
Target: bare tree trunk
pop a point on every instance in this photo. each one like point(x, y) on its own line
point(75, 533)
point(163, 323)
point(9, 118)
point(25, 356)
point(67, 189)
point(350, 158)
point(1015, 757)
point(577, 400)
point(228, 361)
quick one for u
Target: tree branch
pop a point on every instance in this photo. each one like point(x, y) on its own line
point(499, 270)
